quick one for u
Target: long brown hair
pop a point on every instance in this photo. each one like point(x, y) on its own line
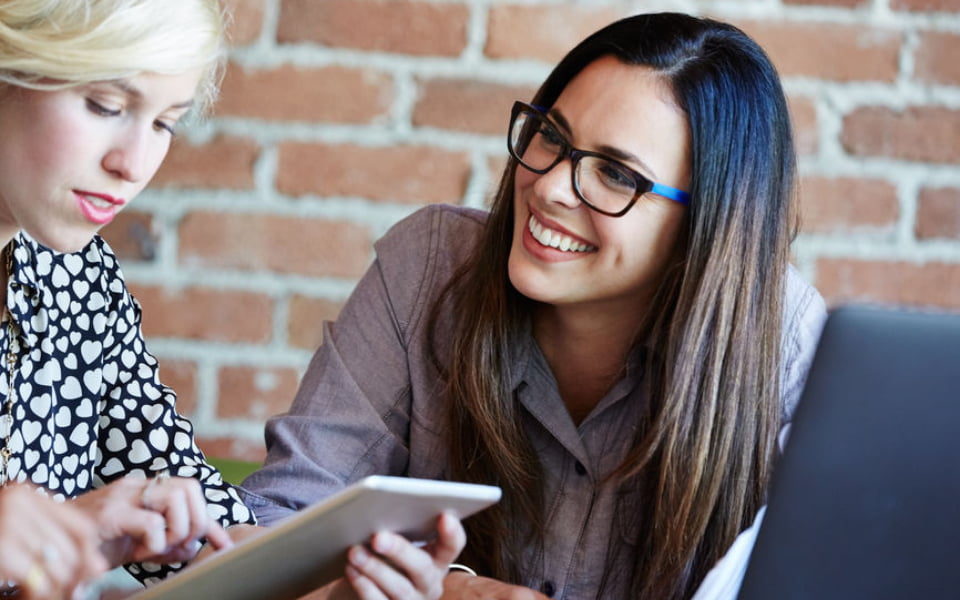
point(702, 457)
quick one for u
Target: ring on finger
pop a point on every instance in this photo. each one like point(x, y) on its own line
point(36, 580)
point(145, 493)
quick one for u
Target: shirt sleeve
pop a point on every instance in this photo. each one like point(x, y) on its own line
point(352, 414)
point(724, 579)
point(140, 431)
point(804, 317)
point(349, 418)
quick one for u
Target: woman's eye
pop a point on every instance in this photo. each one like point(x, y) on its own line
point(616, 178)
point(164, 126)
point(550, 135)
point(99, 109)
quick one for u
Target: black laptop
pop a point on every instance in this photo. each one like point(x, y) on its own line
point(865, 503)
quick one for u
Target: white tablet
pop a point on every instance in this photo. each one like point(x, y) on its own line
point(308, 550)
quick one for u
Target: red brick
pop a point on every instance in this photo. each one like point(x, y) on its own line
point(181, 377)
point(232, 448)
point(937, 58)
point(255, 392)
point(245, 20)
point(223, 162)
point(895, 282)
point(305, 325)
point(132, 236)
point(806, 134)
point(920, 133)
point(926, 5)
point(828, 51)
point(417, 28)
point(410, 174)
point(467, 105)
point(846, 204)
point(313, 247)
point(938, 213)
point(205, 314)
point(288, 92)
point(495, 166)
point(541, 32)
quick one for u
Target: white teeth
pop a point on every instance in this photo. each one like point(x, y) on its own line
point(555, 239)
point(98, 202)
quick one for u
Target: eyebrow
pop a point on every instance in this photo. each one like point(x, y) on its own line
point(128, 88)
point(611, 151)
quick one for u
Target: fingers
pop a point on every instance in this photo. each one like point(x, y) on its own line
point(217, 537)
point(396, 568)
point(161, 519)
point(180, 500)
point(364, 587)
point(65, 547)
point(47, 547)
point(451, 539)
point(181, 505)
point(374, 578)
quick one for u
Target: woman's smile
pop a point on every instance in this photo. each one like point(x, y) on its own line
point(556, 239)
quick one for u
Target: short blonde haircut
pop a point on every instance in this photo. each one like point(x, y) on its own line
point(48, 44)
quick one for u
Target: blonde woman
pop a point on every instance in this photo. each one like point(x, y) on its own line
point(90, 96)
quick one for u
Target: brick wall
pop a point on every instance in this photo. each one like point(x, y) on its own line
point(338, 117)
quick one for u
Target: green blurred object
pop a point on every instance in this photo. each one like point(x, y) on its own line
point(233, 471)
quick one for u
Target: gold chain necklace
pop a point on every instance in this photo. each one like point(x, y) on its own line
point(13, 345)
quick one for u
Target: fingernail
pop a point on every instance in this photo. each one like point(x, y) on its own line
point(382, 542)
point(359, 556)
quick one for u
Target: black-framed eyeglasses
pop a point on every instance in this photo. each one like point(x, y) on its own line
point(603, 183)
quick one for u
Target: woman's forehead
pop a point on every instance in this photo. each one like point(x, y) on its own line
point(628, 107)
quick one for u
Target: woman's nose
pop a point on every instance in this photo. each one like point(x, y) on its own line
point(556, 185)
point(129, 157)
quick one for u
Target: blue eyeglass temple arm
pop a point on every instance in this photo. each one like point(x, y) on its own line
point(672, 193)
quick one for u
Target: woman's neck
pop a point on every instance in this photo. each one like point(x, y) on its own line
point(586, 350)
point(6, 234)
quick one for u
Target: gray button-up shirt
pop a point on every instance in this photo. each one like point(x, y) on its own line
point(370, 404)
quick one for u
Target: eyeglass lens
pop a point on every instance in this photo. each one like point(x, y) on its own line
point(601, 183)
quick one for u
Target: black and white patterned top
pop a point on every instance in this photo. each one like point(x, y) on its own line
point(90, 405)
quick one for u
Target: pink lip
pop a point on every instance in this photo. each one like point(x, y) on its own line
point(96, 214)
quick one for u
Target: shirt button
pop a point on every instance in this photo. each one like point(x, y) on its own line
point(548, 588)
point(580, 469)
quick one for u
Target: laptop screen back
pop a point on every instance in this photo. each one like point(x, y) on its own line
point(865, 502)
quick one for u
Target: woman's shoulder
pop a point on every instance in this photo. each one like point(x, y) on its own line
point(431, 225)
point(420, 254)
point(804, 315)
point(436, 237)
point(805, 310)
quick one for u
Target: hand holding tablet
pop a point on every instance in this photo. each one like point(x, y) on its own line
point(309, 549)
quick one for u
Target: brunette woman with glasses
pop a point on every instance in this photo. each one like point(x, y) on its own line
point(618, 343)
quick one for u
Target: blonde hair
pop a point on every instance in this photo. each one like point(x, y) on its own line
point(50, 44)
